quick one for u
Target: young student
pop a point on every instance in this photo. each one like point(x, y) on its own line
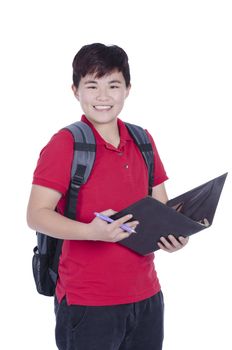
point(107, 296)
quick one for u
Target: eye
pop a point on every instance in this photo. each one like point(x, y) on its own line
point(91, 87)
point(114, 86)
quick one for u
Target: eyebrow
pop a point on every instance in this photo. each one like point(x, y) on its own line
point(115, 81)
point(95, 82)
point(90, 82)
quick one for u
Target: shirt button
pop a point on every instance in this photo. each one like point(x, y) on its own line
point(126, 166)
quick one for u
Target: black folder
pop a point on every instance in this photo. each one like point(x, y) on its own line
point(185, 215)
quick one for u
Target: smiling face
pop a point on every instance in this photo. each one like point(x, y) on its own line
point(102, 99)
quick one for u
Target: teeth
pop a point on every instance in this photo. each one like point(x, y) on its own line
point(102, 107)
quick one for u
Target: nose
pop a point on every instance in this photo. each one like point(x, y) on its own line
point(102, 94)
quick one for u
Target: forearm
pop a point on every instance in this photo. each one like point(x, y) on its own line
point(42, 217)
point(159, 193)
point(56, 225)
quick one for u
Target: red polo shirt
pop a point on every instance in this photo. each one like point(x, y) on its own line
point(95, 272)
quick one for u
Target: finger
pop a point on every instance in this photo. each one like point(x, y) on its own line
point(132, 224)
point(108, 212)
point(161, 246)
point(122, 235)
point(183, 240)
point(174, 242)
point(166, 243)
point(122, 220)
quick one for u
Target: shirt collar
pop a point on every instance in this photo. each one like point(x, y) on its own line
point(124, 134)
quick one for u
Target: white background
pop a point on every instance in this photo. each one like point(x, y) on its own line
point(180, 57)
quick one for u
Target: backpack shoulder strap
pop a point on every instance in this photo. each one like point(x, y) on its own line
point(47, 253)
point(142, 141)
point(83, 160)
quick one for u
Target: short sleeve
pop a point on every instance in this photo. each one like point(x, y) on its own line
point(53, 168)
point(159, 172)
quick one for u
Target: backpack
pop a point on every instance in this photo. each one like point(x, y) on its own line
point(46, 254)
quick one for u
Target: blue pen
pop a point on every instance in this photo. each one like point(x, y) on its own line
point(124, 227)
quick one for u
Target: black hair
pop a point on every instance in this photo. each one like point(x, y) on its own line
point(100, 60)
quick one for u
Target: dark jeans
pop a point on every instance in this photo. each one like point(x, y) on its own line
point(136, 326)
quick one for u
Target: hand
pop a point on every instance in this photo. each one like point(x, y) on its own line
point(172, 244)
point(103, 231)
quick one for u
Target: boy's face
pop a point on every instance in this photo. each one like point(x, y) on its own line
point(102, 99)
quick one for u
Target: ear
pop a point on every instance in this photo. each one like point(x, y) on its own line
point(127, 91)
point(75, 91)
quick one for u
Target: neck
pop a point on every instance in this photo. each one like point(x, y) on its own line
point(109, 132)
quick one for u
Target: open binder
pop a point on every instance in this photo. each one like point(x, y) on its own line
point(185, 215)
